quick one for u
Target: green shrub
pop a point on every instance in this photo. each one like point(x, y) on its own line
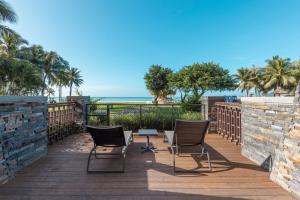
point(161, 118)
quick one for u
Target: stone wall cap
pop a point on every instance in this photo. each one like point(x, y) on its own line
point(283, 100)
point(12, 99)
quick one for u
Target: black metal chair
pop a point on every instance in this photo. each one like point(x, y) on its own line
point(188, 133)
point(109, 137)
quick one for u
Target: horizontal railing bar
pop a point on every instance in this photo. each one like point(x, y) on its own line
point(91, 115)
point(128, 104)
point(60, 104)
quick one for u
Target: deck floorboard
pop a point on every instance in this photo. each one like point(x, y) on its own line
point(62, 175)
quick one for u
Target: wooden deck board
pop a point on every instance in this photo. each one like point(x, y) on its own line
point(62, 175)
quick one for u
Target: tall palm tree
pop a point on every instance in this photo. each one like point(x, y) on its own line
point(7, 14)
point(296, 69)
point(74, 78)
point(50, 68)
point(244, 76)
point(34, 54)
point(61, 78)
point(258, 80)
point(10, 43)
point(278, 74)
point(50, 92)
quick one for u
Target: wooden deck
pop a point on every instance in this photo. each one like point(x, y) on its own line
point(62, 175)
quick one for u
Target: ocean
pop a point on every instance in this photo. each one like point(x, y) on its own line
point(123, 99)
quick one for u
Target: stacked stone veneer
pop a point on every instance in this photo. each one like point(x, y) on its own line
point(23, 133)
point(271, 137)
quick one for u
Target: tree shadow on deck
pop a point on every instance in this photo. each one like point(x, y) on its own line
point(62, 175)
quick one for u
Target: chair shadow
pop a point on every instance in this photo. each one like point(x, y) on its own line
point(219, 162)
point(144, 176)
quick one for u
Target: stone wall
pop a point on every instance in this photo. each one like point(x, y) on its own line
point(286, 167)
point(271, 137)
point(23, 133)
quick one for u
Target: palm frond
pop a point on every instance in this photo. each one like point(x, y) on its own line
point(7, 13)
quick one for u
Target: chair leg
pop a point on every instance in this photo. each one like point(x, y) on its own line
point(88, 163)
point(123, 155)
point(123, 162)
point(204, 151)
point(208, 159)
point(174, 155)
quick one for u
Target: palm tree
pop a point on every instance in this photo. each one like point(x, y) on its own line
point(61, 78)
point(18, 77)
point(34, 54)
point(278, 74)
point(244, 76)
point(296, 69)
point(50, 92)
point(257, 80)
point(7, 14)
point(10, 43)
point(74, 78)
point(50, 68)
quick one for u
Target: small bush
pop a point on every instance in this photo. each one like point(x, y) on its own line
point(161, 118)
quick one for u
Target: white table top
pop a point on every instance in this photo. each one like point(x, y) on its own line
point(147, 132)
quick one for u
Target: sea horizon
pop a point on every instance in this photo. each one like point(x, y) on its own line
point(116, 99)
point(112, 99)
point(122, 99)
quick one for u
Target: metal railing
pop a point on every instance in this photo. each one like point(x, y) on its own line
point(61, 121)
point(229, 121)
point(136, 116)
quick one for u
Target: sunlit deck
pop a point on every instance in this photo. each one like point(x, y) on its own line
point(62, 175)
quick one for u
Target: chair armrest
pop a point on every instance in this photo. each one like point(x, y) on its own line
point(170, 137)
point(128, 137)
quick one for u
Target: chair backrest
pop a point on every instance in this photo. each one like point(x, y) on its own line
point(190, 132)
point(107, 136)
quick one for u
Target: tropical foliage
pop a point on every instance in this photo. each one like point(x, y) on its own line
point(161, 118)
point(280, 75)
point(157, 81)
point(7, 14)
point(74, 78)
point(30, 70)
point(191, 81)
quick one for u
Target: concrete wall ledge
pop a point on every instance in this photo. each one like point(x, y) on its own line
point(281, 100)
point(12, 99)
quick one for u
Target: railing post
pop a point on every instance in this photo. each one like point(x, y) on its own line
point(140, 115)
point(108, 114)
point(172, 117)
point(203, 111)
point(86, 114)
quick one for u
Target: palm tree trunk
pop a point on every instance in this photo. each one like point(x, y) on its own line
point(71, 85)
point(59, 93)
point(44, 85)
point(181, 96)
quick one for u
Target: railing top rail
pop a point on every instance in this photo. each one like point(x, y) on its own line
point(229, 105)
point(60, 104)
point(141, 104)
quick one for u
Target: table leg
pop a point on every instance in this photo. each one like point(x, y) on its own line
point(148, 148)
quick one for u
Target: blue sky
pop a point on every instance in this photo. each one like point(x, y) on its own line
point(113, 42)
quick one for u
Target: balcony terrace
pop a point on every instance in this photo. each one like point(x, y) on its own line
point(62, 175)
